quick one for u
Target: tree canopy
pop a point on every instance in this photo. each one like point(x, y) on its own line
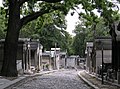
point(20, 12)
point(89, 33)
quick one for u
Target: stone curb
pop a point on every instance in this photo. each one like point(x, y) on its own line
point(21, 79)
point(111, 83)
point(89, 83)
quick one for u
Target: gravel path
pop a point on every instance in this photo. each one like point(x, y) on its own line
point(66, 79)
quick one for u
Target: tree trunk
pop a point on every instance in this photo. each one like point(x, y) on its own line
point(114, 47)
point(9, 68)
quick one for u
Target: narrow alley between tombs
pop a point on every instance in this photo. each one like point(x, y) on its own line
point(62, 79)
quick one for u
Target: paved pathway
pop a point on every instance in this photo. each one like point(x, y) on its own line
point(66, 79)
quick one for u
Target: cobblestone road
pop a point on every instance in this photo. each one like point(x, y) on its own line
point(66, 79)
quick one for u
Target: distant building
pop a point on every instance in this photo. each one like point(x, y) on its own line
point(53, 59)
point(71, 61)
point(63, 58)
point(94, 54)
point(46, 61)
point(55, 52)
point(104, 43)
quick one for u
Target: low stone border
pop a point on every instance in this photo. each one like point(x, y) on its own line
point(22, 79)
point(105, 81)
point(89, 83)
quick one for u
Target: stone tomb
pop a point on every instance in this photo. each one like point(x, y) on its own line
point(28, 55)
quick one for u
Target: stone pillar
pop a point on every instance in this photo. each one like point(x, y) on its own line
point(29, 58)
point(39, 57)
point(36, 62)
point(24, 58)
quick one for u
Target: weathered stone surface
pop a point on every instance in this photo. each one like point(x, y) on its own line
point(67, 79)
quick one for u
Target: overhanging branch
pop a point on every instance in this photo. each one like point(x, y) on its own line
point(22, 1)
point(33, 16)
point(51, 1)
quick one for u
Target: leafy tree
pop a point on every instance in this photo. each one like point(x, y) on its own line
point(50, 29)
point(28, 12)
point(107, 11)
point(84, 34)
point(50, 35)
point(69, 44)
point(32, 9)
point(19, 13)
point(3, 23)
point(79, 43)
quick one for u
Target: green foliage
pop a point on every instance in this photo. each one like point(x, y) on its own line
point(84, 34)
point(48, 35)
point(79, 44)
point(41, 28)
point(3, 23)
point(49, 28)
point(93, 25)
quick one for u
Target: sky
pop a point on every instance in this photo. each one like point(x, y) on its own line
point(71, 22)
point(0, 2)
